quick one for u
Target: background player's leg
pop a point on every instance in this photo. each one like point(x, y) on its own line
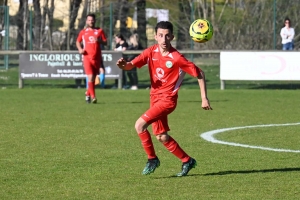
point(88, 71)
point(102, 78)
point(91, 87)
point(88, 93)
point(86, 82)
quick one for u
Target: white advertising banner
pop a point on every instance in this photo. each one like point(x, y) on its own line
point(260, 65)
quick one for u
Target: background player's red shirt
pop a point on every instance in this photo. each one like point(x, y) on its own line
point(166, 72)
point(91, 46)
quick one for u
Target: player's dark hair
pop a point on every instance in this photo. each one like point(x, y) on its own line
point(164, 25)
point(91, 15)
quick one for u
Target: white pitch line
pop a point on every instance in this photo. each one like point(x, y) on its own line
point(209, 136)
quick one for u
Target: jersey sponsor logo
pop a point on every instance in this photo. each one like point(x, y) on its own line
point(154, 59)
point(169, 64)
point(160, 73)
point(96, 32)
point(92, 39)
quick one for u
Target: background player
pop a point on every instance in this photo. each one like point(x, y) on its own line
point(92, 38)
point(167, 68)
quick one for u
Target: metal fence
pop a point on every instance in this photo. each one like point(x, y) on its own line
point(239, 25)
point(4, 35)
point(208, 60)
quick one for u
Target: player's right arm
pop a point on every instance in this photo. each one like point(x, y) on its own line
point(78, 43)
point(123, 64)
point(138, 61)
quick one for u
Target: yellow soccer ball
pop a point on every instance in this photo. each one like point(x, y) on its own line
point(201, 30)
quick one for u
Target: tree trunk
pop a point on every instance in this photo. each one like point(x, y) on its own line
point(37, 24)
point(20, 28)
point(203, 5)
point(25, 25)
point(212, 14)
point(2, 23)
point(101, 21)
point(123, 14)
point(43, 24)
point(50, 12)
point(184, 22)
point(141, 22)
point(83, 17)
point(70, 39)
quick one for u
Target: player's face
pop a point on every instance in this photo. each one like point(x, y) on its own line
point(90, 22)
point(164, 38)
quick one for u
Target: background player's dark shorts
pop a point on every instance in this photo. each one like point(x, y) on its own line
point(102, 64)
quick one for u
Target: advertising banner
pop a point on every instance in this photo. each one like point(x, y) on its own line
point(264, 65)
point(63, 65)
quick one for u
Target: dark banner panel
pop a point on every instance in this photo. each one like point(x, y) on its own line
point(63, 65)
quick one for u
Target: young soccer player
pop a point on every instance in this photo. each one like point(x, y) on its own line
point(92, 38)
point(167, 68)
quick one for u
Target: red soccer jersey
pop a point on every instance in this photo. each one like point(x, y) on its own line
point(166, 72)
point(90, 45)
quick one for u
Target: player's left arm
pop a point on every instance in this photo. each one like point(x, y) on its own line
point(190, 68)
point(102, 38)
point(203, 91)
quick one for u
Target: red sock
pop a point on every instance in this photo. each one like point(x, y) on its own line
point(175, 149)
point(147, 144)
point(91, 89)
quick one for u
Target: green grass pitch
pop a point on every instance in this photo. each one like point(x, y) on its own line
point(54, 146)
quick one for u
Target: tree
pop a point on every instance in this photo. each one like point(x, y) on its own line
point(22, 27)
point(50, 12)
point(37, 24)
point(184, 21)
point(83, 16)
point(2, 3)
point(74, 7)
point(141, 22)
point(123, 14)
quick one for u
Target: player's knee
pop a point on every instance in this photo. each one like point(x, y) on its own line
point(164, 137)
point(140, 125)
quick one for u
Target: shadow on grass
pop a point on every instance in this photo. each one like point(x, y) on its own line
point(291, 86)
point(229, 172)
point(133, 102)
point(221, 173)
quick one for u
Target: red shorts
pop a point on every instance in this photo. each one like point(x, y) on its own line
point(157, 114)
point(91, 67)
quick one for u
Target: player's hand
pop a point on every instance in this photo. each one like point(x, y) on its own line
point(81, 51)
point(205, 104)
point(121, 63)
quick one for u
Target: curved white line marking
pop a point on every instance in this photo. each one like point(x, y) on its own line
point(209, 136)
